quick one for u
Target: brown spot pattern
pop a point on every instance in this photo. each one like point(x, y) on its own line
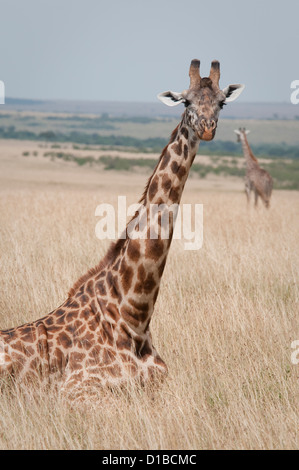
point(100, 324)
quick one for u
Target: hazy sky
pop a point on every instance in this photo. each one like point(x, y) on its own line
point(130, 50)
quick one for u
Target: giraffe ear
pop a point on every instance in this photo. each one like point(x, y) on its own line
point(237, 132)
point(232, 92)
point(171, 98)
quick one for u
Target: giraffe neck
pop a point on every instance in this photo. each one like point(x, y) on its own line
point(142, 258)
point(251, 161)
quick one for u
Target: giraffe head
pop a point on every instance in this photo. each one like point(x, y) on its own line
point(203, 99)
point(241, 132)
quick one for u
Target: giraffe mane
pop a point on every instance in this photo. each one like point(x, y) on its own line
point(112, 252)
point(253, 157)
point(250, 151)
point(172, 138)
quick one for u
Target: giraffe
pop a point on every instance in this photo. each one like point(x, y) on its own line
point(100, 336)
point(257, 179)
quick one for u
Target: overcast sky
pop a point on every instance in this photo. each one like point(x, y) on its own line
point(130, 50)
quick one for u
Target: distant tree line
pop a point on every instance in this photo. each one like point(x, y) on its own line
point(153, 144)
point(285, 173)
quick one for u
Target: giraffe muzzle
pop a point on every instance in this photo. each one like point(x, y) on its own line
point(208, 129)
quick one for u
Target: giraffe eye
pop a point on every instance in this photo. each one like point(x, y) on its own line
point(187, 103)
point(222, 103)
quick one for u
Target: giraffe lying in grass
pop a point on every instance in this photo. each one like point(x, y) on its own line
point(100, 335)
point(257, 179)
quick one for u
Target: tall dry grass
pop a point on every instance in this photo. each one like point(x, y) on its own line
point(224, 323)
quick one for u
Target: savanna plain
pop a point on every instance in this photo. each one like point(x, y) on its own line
point(224, 321)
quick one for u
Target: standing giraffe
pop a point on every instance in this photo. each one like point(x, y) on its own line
point(100, 335)
point(257, 179)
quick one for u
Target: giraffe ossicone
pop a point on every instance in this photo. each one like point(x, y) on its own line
point(100, 336)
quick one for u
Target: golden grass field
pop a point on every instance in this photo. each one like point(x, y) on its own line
point(224, 320)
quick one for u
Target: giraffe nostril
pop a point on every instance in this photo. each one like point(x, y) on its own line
point(208, 124)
